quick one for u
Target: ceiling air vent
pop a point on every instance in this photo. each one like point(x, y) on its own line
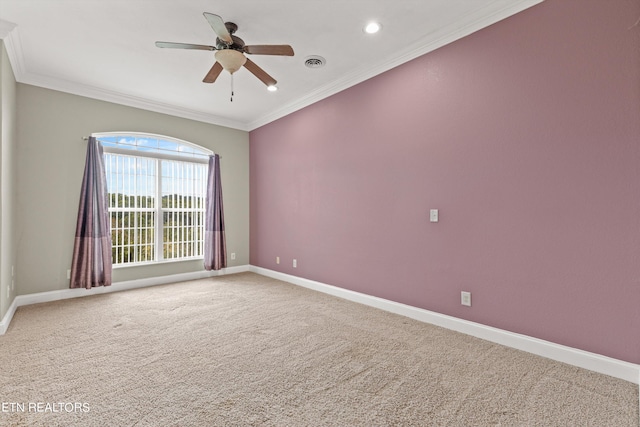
point(314, 61)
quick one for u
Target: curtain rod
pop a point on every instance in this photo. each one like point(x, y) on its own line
point(86, 138)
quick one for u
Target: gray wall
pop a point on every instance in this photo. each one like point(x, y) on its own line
point(7, 179)
point(51, 156)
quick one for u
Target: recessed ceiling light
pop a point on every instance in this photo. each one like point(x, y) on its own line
point(372, 28)
point(272, 88)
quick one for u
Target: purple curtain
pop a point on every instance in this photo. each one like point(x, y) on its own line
point(215, 246)
point(91, 264)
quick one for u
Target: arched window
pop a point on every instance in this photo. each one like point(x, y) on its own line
point(156, 188)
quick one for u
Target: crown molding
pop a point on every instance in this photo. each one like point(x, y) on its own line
point(10, 35)
point(126, 100)
point(5, 28)
point(469, 24)
point(11, 40)
point(446, 35)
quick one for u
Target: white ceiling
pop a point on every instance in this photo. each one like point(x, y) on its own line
point(104, 49)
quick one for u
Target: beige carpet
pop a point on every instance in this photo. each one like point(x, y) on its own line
point(245, 350)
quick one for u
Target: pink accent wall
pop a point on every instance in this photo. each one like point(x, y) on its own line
point(525, 136)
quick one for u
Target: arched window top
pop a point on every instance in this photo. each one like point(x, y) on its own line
point(144, 143)
point(157, 188)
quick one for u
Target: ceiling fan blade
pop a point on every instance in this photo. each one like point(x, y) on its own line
point(213, 73)
point(218, 26)
point(184, 46)
point(269, 49)
point(259, 73)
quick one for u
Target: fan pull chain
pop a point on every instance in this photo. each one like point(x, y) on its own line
point(231, 87)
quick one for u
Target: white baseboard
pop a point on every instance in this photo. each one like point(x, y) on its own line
point(583, 359)
point(4, 323)
point(61, 294)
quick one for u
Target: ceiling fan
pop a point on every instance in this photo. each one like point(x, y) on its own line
point(230, 52)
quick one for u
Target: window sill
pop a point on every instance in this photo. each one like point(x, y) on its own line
point(149, 264)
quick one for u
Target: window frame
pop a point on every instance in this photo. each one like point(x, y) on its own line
point(159, 211)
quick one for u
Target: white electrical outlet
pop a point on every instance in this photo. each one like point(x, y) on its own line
point(277, 260)
point(465, 298)
point(433, 215)
point(233, 255)
point(295, 263)
point(68, 274)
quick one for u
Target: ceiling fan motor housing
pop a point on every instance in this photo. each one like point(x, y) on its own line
point(231, 27)
point(238, 44)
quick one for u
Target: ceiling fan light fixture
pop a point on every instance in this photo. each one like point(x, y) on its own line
point(231, 60)
point(272, 88)
point(372, 27)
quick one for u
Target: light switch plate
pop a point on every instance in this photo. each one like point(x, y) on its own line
point(433, 215)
